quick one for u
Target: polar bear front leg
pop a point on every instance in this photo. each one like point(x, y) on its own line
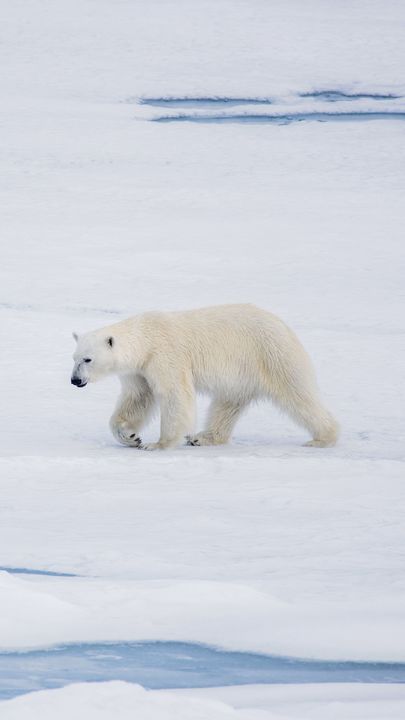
point(177, 411)
point(134, 408)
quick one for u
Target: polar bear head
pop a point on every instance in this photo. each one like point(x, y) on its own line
point(94, 357)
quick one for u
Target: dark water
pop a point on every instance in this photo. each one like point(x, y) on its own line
point(203, 102)
point(222, 103)
point(174, 664)
point(283, 119)
point(31, 571)
point(335, 95)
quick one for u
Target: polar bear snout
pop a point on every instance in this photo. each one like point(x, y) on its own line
point(77, 381)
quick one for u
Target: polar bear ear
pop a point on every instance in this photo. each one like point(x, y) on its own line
point(110, 341)
point(75, 336)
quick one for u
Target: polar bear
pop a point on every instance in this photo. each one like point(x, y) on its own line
point(235, 353)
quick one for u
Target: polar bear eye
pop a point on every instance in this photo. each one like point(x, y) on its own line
point(86, 359)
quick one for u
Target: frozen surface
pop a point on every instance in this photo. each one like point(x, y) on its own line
point(263, 545)
point(270, 563)
point(107, 701)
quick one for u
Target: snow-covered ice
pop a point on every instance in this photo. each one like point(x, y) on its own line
point(106, 701)
point(275, 559)
point(262, 545)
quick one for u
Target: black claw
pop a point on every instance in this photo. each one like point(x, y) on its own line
point(138, 441)
point(190, 441)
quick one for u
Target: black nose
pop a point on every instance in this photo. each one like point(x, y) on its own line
point(76, 381)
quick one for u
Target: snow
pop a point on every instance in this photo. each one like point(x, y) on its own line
point(254, 540)
point(262, 545)
point(106, 701)
point(117, 699)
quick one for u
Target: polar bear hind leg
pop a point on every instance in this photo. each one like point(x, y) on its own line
point(296, 397)
point(304, 407)
point(222, 418)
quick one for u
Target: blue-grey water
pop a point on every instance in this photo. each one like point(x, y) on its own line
point(222, 103)
point(229, 101)
point(203, 102)
point(335, 95)
point(283, 119)
point(174, 665)
point(32, 571)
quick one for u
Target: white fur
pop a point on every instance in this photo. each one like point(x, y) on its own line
point(235, 353)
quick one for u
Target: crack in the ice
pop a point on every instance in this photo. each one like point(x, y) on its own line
point(202, 101)
point(223, 107)
point(208, 101)
point(33, 571)
point(283, 119)
point(336, 95)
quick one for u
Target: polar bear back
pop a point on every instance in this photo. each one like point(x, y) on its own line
point(229, 348)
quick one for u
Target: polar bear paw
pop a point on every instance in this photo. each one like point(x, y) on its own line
point(132, 440)
point(319, 443)
point(192, 440)
point(149, 447)
point(205, 438)
point(160, 445)
point(125, 435)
